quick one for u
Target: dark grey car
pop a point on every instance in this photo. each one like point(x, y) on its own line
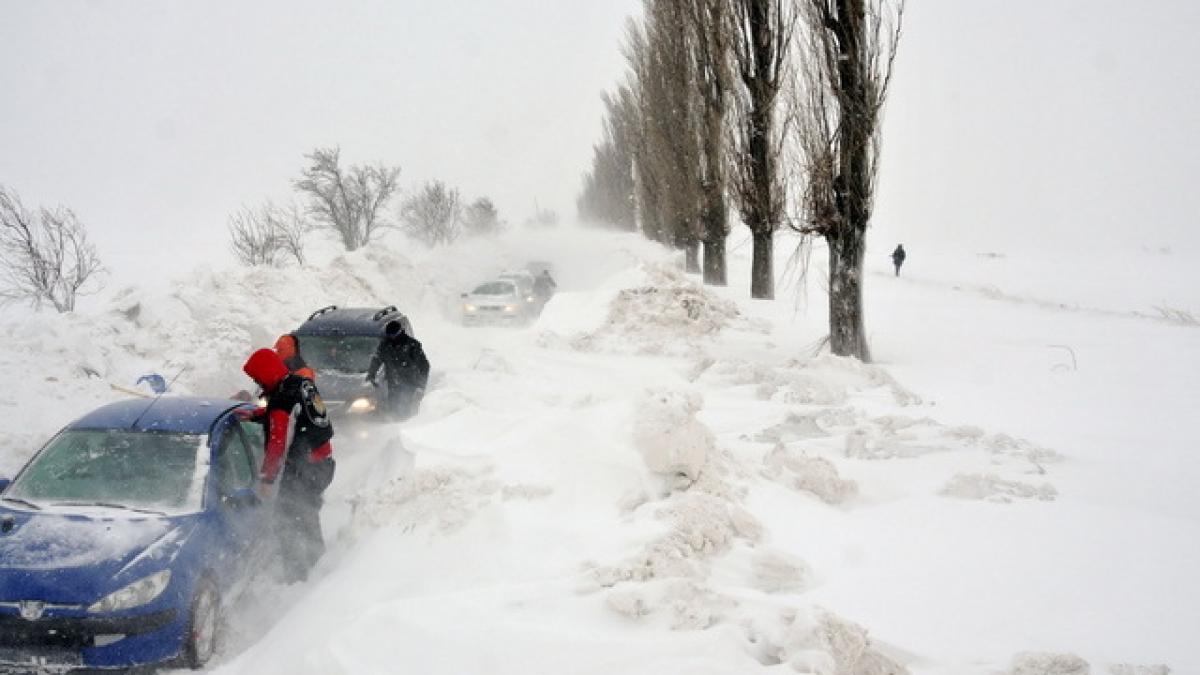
point(337, 343)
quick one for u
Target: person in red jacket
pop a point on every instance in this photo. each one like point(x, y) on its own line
point(288, 349)
point(298, 455)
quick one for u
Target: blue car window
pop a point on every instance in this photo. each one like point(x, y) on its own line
point(234, 468)
point(256, 439)
point(136, 469)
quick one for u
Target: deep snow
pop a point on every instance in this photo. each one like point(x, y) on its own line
point(660, 477)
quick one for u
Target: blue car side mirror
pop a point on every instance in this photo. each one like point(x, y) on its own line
point(4, 482)
point(241, 498)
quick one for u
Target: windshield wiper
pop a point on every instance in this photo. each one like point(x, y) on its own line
point(112, 505)
point(26, 502)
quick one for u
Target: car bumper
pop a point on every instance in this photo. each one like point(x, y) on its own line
point(64, 644)
point(497, 315)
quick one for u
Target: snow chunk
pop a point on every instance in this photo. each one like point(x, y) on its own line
point(810, 474)
point(1127, 669)
point(672, 441)
point(992, 488)
point(668, 310)
point(1037, 663)
point(819, 643)
point(776, 571)
point(700, 526)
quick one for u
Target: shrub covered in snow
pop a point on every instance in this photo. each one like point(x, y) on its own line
point(672, 441)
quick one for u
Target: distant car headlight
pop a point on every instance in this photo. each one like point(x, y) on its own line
point(529, 298)
point(510, 308)
point(136, 594)
point(362, 404)
point(469, 308)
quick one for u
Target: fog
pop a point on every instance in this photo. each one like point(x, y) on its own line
point(1011, 124)
point(154, 121)
point(1067, 124)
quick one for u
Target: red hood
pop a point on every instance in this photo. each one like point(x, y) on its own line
point(266, 368)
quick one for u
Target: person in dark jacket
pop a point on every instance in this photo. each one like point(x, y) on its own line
point(543, 287)
point(298, 455)
point(405, 370)
point(898, 257)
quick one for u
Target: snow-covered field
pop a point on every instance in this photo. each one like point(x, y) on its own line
point(658, 477)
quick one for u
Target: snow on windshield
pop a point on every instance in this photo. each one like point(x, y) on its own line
point(132, 469)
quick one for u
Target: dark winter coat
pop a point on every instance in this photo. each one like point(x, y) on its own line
point(898, 256)
point(543, 286)
point(403, 361)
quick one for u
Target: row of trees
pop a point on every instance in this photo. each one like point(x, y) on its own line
point(353, 203)
point(772, 106)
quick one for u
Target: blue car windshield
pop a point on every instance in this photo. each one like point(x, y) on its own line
point(131, 469)
point(345, 353)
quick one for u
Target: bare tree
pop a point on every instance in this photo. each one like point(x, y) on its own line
point(46, 255)
point(762, 32)
point(712, 35)
point(264, 235)
point(434, 214)
point(252, 238)
point(348, 201)
point(847, 51)
point(481, 217)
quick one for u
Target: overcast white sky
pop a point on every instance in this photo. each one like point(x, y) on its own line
point(1011, 120)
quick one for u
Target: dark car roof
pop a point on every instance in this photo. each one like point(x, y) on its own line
point(351, 321)
point(182, 414)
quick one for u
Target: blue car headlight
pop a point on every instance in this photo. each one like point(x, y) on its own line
point(136, 594)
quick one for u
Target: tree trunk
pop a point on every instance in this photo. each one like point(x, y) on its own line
point(847, 334)
point(762, 271)
point(714, 262)
point(692, 256)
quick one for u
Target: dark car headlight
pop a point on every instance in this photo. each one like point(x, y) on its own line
point(139, 593)
point(362, 404)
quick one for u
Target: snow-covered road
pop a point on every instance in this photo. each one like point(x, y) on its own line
point(656, 477)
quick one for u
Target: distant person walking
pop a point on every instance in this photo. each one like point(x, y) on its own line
point(898, 257)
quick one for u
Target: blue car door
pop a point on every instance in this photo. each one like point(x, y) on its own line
point(242, 516)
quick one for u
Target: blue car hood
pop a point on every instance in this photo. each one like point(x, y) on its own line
point(75, 559)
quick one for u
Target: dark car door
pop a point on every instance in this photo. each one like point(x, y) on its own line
point(242, 514)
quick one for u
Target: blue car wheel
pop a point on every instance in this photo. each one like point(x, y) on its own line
point(203, 624)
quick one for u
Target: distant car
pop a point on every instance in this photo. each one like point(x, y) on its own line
point(525, 288)
point(123, 537)
point(337, 343)
point(499, 301)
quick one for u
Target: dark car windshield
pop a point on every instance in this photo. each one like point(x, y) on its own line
point(133, 469)
point(495, 288)
point(346, 353)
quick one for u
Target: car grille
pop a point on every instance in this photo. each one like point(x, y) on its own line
point(74, 633)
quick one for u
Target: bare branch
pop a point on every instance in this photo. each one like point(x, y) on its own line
point(46, 256)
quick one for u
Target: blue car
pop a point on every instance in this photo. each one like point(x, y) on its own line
point(123, 537)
